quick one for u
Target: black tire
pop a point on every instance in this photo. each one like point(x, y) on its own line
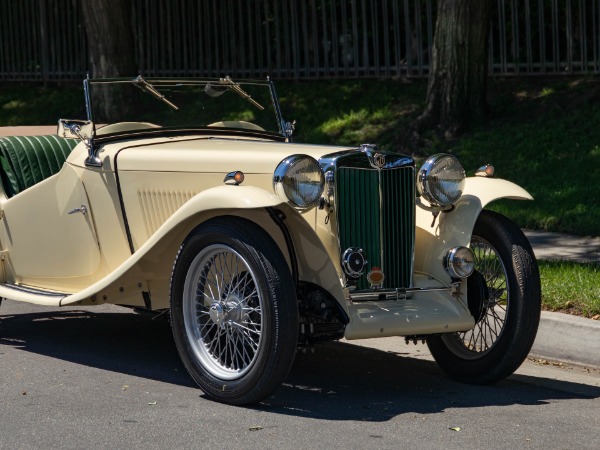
point(234, 312)
point(508, 314)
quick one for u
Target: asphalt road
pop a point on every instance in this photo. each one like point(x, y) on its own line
point(107, 378)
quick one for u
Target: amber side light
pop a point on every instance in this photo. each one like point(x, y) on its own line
point(238, 177)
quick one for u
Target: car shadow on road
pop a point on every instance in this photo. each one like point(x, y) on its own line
point(122, 342)
point(340, 381)
point(343, 381)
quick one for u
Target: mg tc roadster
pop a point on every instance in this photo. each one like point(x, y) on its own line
point(188, 196)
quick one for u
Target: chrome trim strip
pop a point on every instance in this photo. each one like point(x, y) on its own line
point(381, 241)
point(414, 227)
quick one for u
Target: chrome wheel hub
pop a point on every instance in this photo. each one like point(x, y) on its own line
point(234, 309)
point(217, 314)
point(228, 313)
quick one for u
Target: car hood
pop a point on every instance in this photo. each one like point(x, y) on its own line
point(211, 155)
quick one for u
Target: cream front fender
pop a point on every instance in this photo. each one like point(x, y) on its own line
point(152, 261)
point(314, 262)
point(149, 268)
point(455, 227)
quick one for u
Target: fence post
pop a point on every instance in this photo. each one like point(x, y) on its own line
point(44, 40)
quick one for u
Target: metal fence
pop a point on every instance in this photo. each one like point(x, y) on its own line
point(301, 39)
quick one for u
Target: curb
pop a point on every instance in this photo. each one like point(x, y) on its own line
point(563, 337)
point(567, 338)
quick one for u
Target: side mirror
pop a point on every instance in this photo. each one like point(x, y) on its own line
point(75, 129)
point(80, 129)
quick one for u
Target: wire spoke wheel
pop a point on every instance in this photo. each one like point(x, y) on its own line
point(504, 298)
point(490, 326)
point(223, 311)
point(234, 313)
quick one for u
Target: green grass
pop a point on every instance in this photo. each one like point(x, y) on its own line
point(32, 104)
point(571, 287)
point(543, 134)
point(545, 137)
point(352, 112)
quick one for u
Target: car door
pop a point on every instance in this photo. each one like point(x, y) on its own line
point(47, 232)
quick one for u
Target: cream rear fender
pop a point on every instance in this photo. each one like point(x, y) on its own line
point(455, 227)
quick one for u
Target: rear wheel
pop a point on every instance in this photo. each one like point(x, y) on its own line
point(233, 311)
point(505, 300)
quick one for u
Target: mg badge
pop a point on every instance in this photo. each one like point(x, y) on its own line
point(375, 278)
point(379, 160)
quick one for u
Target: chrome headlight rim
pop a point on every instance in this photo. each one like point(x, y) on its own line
point(428, 180)
point(459, 262)
point(282, 177)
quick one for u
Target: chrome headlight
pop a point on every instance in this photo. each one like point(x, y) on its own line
point(299, 179)
point(441, 180)
point(459, 262)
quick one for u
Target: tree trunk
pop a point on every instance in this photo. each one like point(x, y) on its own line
point(111, 49)
point(109, 32)
point(456, 93)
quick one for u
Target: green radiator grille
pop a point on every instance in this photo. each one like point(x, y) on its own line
point(376, 212)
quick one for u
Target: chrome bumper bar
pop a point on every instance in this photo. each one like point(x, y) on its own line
point(398, 293)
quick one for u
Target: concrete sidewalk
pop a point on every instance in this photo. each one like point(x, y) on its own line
point(39, 130)
point(548, 245)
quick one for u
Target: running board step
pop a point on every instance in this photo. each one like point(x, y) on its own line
point(31, 294)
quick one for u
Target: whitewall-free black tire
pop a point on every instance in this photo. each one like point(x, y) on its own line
point(505, 299)
point(234, 312)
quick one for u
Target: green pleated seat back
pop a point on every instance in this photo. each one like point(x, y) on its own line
point(27, 160)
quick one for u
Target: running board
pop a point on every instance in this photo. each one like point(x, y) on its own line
point(31, 294)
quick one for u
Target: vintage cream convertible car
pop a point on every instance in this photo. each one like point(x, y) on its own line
point(188, 196)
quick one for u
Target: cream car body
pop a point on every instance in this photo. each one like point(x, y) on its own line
point(109, 230)
point(87, 259)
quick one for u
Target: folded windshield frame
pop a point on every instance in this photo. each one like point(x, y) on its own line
point(154, 84)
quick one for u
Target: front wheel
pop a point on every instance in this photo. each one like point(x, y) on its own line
point(233, 311)
point(505, 299)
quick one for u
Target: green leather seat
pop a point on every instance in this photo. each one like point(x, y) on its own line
point(27, 160)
